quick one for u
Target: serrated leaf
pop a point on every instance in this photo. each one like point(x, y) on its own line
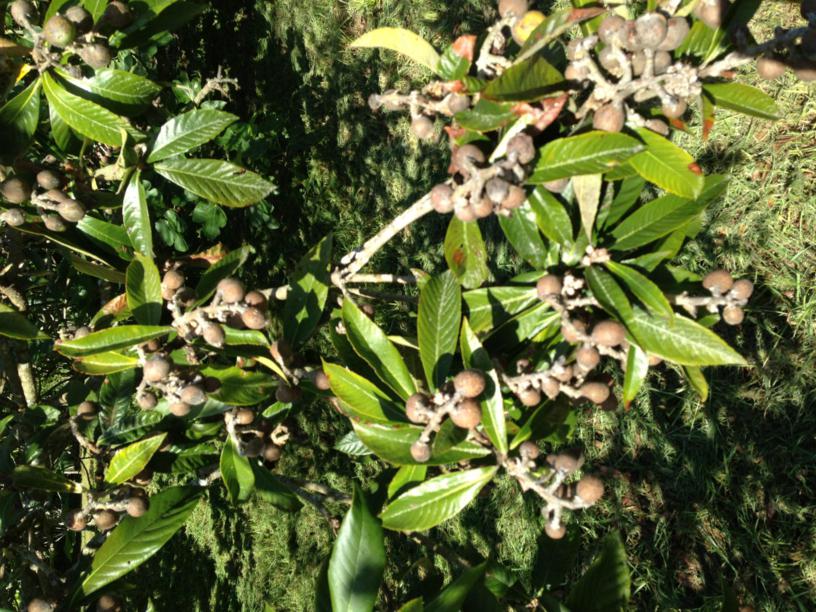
point(308, 291)
point(526, 81)
point(644, 289)
point(34, 477)
point(110, 234)
point(587, 189)
point(451, 598)
point(187, 131)
point(18, 120)
point(436, 500)
point(452, 66)
point(637, 367)
point(553, 422)
point(126, 90)
point(122, 336)
point(236, 472)
point(466, 253)
point(609, 293)
point(135, 540)
point(83, 116)
point(605, 585)
point(627, 196)
point(130, 428)
point(215, 180)
point(373, 345)
point(357, 560)
point(14, 325)
point(743, 99)
point(361, 398)
point(486, 116)
point(223, 268)
point(136, 216)
point(490, 306)
point(143, 284)
point(350, 444)
point(105, 363)
point(590, 153)
point(440, 311)
point(475, 356)
point(667, 166)
point(129, 461)
point(402, 41)
point(241, 387)
point(521, 230)
point(551, 216)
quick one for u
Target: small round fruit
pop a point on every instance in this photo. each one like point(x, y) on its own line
point(231, 290)
point(420, 452)
point(674, 109)
point(53, 223)
point(551, 387)
point(213, 334)
point(523, 147)
point(75, 520)
point(458, 103)
point(651, 29)
point(47, 179)
point(59, 32)
point(39, 605)
point(272, 453)
point(71, 211)
point(108, 603)
point(96, 55)
point(56, 195)
point(81, 332)
point(193, 395)
point(610, 61)
point(610, 29)
point(13, 216)
point(555, 532)
point(658, 125)
point(256, 299)
point(253, 447)
point(466, 214)
point(423, 127)
point(180, 409)
point(742, 289)
point(81, 18)
point(805, 71)
point(104, 519)
point(525, 26)
point(574, 332)
point(595, 392)
point(156, 369)
point(441, 198)
point(136, 506)
point(608, 333)
point(630, 39)
point(244, 416)
point(590, 489)
point(321, 381)
point(515, 8)
point(117, 15)
point(662, 61)
point(496, 189)
point(711, 12)
point(15, 190)
point(529, 449)
point(575, 72)
point(530, 397)
point(416, 407)
point(676, 31)
point(718, 281)
point(565, 463)
point(770, 68)
point(253, 318)
point(587, 357)
point(467, 415)
point(22, 12)
point(516, 196)
point(146, 401)
point(733, 315)
point(609, 118)
point(466, 155)
point(286, 394)
point(482, 208)
point(549, 285)
point(469, 383)
point(172, 279)
point(86, 410)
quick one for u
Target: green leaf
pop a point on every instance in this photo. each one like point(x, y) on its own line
point(187, 131)
point(105, 363)
point(667, 166)
point(143, 285)
point(223, 268)
point(401, 41)
point(129, 461)
point(465, 253)
point(440, 311)
point(360, 398)
point(743, 99)
point(587, 189)
point(109, 234)
point(436, 500)
point(136, 216)
point(627, 196)
point(215, 180)
point(681, 341)
point(605, 585)
point(644, 289)
point(169, 16)
point(521, 230)
point(270, 489)
point(241, 387)
point(122, 336)
point(95, 8)
point(392, 443)
point(53, 8)
point(130, 428)
point(14, 325)
point(83, 116)
point(475, 356)
point(357, 560)
point(590, 153)
point(128, 91)
point(33, 477)
point(308, 291)
point(372, 344)
point(62, 134)
point(137, 539)
point(526, 81)
point(486, 116)
point(407, 475)
point(697, 380)
point(18, 120)
point(608, 293)
point(452, 66)
point(637, 367)
point(551, 216)
point(351, 444)
point(413, 605)
point(553, 26)
point(489, 307)
point(451, 598)
point(236, 472)
point(523, 326)
point(552, 422)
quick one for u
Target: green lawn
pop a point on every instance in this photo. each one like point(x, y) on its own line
point(705, 494)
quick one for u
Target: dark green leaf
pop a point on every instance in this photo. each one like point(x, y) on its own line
point(590, 153)
point(143, 285)
point(270, 489)
point(236, 473)
point(637, 367)
point(136, 216)
point(465, 253)
point(18, 120)
point(223, 268)
point(102, 341)
point(667, 166)
point(406, 476)
point(486, 116)
point(110, 234)
point(215, 180)
point(188, 131)
point(241, 387)
point(14, 325)
point(644, 289)
point(33, 477)
point(440, 311)
point(451, 598)
point(351, 444)
point(627, 196)
point(743, 99)
point(489, 307)
point(551, 216)
point(308, 291)
point(129, 461)
point(609, 293)
point(130, 428)
point(105, 363)
point(605, 585)
point(697, 380)
point(521, 230)
point(526, 81)
point(452, 66)
point(359, 397)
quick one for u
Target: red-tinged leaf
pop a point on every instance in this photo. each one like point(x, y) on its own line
point(578, 15)
point(459, 256)
point(544, 116)
point(695, 168)
point(678, 124)
point(454, 132)
point(455, 87)
point(465, 46)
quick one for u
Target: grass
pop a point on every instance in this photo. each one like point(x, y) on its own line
point(705, 494)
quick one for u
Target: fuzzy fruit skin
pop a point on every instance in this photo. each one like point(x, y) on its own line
point(136, 507)
point(193, 395)
point(321, 381)
point(676, 32)
point(156, 368)
point(570, 335)
point(86, 410)
point(180, 409)
point(79, 17)
point(146, 401)
point(719, 281)
point(530, 398)
point(172, 279)
point(733, 315)
point(59, 32)
point(39, 605)
point(742, 289)
point(420, 452)
point(557, 186)
point(551, 387)
point(75, 520)
point(565, 463)
point(415, 407)
point(549, 285)
point(513, 7)
point(96, 55)
point(595, 392)
point(524, 148)
point(254, 447)
point(107, 603)
point(13, 216)
point(658, 125)
point(442, 198)
point(48, 179)
point(608, 333)
point(423, 127)
point(466, 155)
point(516, 196)
point(590, 489)
point(526, 26)
point(469, 383)
point(711, 13)
point(466, 214)
point(482, 208)
point(81, 332)
point(467, 415)
point(674, 110)
point(651, 29)
point(231, 290)
point(213, 335)
point(272, 453)
point(71, 211)
point(117, 15)
point(588, 357)
point(104, 520)
point(253, 318)
point(15, 190)
point(610, 29)
point(609, 118)
point(770, 68)
point(529, 450)
point(458, 103)
point(244, 416)
point(497, 189)
point(555, 533)
point(22, 12)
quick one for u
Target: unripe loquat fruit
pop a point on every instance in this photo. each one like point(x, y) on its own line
point(718, 281)
point(608, 333)
point(467, 415)
point(469, 383)
point(590, 489)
